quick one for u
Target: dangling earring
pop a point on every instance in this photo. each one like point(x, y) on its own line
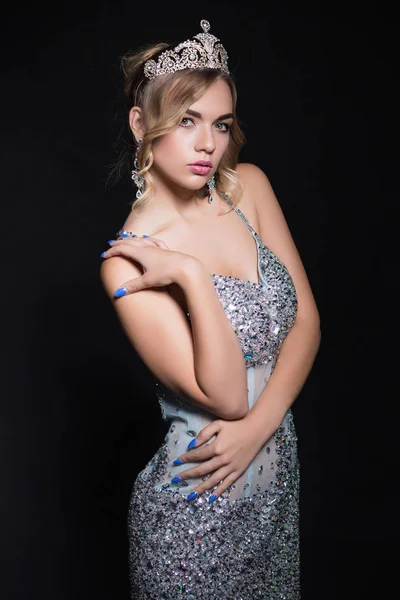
point(211, 186)
point(139, 181)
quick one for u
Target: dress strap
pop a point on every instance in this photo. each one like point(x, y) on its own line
point(238, 211)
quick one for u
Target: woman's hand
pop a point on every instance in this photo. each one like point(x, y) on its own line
point(227, 457)
point(161, 265)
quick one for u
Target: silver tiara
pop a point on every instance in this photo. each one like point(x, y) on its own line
point(202, 54)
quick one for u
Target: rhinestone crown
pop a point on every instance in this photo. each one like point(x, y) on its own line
point(205, 53)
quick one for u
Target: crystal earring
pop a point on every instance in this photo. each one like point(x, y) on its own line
point(211, 186)
point(139, 181)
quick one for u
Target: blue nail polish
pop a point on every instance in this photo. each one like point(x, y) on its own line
point(212, 498)
point(103, 253)
point(176, 479)
point(192, 496)
point(146, 235)
point(124, 235)
point(120, 292)
point(192, 444)
point(110, 241)
point(178, 461)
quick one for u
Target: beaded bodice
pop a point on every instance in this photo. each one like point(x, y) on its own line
point(262, 313)
point(242, 543)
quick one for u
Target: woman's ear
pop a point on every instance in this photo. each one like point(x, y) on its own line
point(136, 122)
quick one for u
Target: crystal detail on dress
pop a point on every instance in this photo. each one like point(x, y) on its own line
point(182, 483)
point(250, 308)
point(244, 548)
point(261, 313)
point(245, 545)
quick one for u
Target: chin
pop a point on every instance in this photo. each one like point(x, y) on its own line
point(194, 183)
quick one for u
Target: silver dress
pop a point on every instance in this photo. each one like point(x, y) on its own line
point(245, 544)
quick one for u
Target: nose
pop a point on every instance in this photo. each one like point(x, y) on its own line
point(205, 140)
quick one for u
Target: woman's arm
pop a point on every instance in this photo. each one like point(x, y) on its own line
point(295, 361)
point(238, 442)
point(203, 362)
point(218, 359)
point(299, 349)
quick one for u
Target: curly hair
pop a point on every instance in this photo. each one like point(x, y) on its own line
point(164, 101)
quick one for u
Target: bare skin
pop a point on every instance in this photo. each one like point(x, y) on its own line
point(222, 242)
point(215, 236)
point(211, 232)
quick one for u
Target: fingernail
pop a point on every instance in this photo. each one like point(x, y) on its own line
point(120, 292)
point(124, 235)
point(146, 235)
point(176, 479)
point(212, 498)
point(192, 496)
point(103, 253)
point(192, 444)
point(178, 461)
point(110, 241)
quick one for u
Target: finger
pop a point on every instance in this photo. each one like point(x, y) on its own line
point(133, 285)
point(216, 478)
point(220, 489)
point(142, 240)
point(206, 434)
point(198, 455)
point(133, 252)
point(133, 242)
point(159, 242)
point(124, 248)
point(204, 469)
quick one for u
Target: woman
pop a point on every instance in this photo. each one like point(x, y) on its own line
point(216, 302)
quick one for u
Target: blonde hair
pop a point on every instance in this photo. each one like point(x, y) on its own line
point(164, 101)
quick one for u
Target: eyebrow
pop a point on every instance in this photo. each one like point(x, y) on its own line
point(194, 113)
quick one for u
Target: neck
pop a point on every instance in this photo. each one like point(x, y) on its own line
point(177, 199)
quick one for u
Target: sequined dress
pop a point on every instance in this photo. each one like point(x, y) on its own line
point(245, 544)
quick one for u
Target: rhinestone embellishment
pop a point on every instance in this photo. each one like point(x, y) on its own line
point(202, 52)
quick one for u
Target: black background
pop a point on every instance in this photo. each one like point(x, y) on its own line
point(79, 418)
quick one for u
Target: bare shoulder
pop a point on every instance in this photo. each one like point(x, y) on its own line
point(149, 220)
point(157, 224)
point(254, 181)
point(270, 219)
point(257, 192)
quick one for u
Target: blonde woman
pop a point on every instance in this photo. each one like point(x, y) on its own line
point(211, 292)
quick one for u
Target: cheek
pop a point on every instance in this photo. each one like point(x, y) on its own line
point(166, 148)
point(223, 145)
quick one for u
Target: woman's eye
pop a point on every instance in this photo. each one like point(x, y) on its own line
point(223, 127)
point(186, 122)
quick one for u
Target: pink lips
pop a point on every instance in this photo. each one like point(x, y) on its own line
point(201, 167)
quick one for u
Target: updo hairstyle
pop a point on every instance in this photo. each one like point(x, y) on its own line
point(164, 101)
